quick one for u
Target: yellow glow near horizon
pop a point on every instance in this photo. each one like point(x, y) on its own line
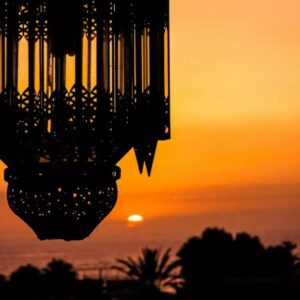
point(135, 218)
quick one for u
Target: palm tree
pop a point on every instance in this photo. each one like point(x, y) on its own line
point(152, 270)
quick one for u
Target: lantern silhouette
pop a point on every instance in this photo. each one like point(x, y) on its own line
point(82, 82)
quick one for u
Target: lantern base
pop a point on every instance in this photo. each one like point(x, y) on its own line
point(62, 202)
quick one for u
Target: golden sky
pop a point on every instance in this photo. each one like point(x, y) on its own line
point(235, 91)
point(235, 102)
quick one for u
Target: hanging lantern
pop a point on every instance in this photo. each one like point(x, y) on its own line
point(82, 82)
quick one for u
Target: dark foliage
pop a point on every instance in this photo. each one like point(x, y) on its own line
point(58, 281)
point(153, 272)
point(217, 263)
point(3, 287)
point(26, 283)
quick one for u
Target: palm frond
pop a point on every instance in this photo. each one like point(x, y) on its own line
point(129, 267)
point(152, 269)
point(171, 268)
point(163, 262)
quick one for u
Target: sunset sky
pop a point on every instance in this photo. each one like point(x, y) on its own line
point(234, 157)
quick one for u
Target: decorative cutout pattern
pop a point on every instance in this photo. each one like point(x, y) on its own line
point(94, 84)
point(103, 113)
point(72, 212)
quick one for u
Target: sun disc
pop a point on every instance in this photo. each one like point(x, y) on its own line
point(135, 218)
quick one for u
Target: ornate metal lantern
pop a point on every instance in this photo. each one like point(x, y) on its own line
point(82, 82)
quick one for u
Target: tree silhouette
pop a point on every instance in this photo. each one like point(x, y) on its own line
point(216, 261)
point(25, 283)
point(2, 279)
point(3, 287)
point(247, 257)
point(60, 279)
point(280, 261)
point(207, 257)
point(152, 269)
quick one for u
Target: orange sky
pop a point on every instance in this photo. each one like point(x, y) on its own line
point(235, 104)
point(235, 88)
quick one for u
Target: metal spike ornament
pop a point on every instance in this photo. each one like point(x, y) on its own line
point(81, 83)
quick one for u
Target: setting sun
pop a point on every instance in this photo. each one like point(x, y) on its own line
point(135, 218)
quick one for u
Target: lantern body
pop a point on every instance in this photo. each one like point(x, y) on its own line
point(82, 82)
